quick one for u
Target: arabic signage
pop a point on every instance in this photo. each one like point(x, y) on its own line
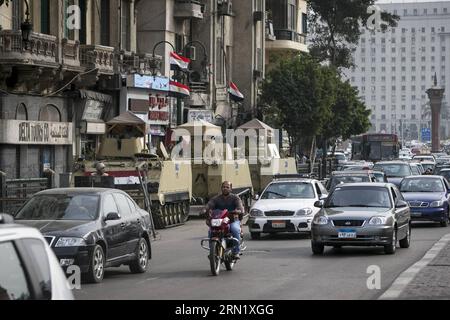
point(195, 115)
point(35, 132)
point(92, 110)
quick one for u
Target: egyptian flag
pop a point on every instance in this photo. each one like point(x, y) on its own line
point(235, 94)
point(179, 62)
point(179, 90)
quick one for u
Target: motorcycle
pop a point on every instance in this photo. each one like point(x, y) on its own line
point(221, 243)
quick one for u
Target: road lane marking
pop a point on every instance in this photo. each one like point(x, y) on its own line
point(400, 284)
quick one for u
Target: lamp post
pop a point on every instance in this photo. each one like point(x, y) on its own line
point(435, 95)
point(26, 26)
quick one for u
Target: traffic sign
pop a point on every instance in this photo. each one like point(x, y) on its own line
point(426, 135)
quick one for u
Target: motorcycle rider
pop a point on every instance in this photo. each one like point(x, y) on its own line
point(231, 202)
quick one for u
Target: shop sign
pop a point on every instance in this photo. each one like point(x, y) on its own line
point(158, 116)
point(92, 110)
point(150, 82)
point(158, 101)
point(35, 132)
point(196, 115)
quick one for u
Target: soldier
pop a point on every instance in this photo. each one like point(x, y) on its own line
point(100, 167)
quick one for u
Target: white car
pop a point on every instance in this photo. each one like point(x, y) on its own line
point(29, 269)
point(286, 205)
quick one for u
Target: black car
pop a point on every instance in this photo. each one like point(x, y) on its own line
point(91, 228)
point(339, 177)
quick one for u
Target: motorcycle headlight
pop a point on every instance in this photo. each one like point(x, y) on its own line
point(320, 220)
point(376, 221)
point(256, 213)
point(436, 204)
point(70, 242)
point(304, 212)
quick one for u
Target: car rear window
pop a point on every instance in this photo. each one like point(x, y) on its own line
point(377, 197)
point(289, 190)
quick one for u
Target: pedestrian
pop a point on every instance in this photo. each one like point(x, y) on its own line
point(100, 170)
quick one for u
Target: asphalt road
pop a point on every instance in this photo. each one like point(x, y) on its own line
point(279, 267)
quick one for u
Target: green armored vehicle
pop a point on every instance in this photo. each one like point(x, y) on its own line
point(155, 182)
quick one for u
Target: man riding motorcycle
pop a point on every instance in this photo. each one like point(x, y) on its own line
point(233, 204)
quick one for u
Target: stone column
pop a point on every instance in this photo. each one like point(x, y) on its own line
point(435, 94)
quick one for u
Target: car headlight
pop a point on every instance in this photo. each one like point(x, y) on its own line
point(377, 221)
point(70, 242)
point(436, 204)
point(320, 220)
point(304, 212)
point(256, 213)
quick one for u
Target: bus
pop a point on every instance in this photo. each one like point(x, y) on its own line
point(375, 147)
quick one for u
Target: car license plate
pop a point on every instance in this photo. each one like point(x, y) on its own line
point(278, 224)
point(416, 214)
point(347, 235)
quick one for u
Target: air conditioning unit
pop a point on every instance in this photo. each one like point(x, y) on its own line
point(191, 53)
point(225, 8)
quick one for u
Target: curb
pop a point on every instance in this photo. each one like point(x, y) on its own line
point(407, 276)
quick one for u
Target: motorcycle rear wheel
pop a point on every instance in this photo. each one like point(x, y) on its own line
point(229, 263)
point(215, 254)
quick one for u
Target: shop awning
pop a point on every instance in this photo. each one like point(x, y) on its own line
point(128, 124)
point(93, 95)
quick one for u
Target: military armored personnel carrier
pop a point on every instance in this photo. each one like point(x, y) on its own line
point(264, 156)
point(158, 184)
point(209, 170)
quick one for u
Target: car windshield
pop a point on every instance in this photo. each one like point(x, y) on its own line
point(348, 179)
point(60, 207)
point(394, 170)
point(376, 197)
point(379, 176)
point(422, 185)
point(289, 190)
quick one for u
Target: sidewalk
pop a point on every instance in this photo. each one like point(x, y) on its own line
point(427, 279)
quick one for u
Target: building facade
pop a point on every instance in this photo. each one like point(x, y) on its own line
point(394, 69)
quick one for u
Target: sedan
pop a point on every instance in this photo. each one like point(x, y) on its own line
point(377, 216)
point(428, 197)
point(395, 170)
point(286, 205)
point(91, 228)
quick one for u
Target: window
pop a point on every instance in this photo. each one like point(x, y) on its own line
point(403, 88)
point(393, 50)
point(68, 33)
point(383, 40)
point(413, 117)
point(363, 50)
point(403, 40)
point(403, 78)
point(363, 79)
point(363, 69)
point(373, 69)
point(403, 107)
point(432, 49)
point(423, 59)
point(383, 117)
point(393, 40)
point(383, 68)
point(432, 68)
point(109, 205)
point(21, 112)
point(45, 16)
point(432, 29)
point(423, 78)
point(435, 11)
point(413, 68)
point(405, 12)
point(413, 88)
point(403, 30)
point(104, 23)
point(403, 49)
point(432, 58)
point(292, 16)
point(383, 107)
point(413, 97)
point(443, 58)
point(393, 59)
point(126, 25)
point(12, 275)
point(415, 12)
point(413, 107)
point(122, 203)
point(403, 69)
point(132, 204)
point(304, 23)
point(403, 59)
point(423, 39)
point(413, 59)
point(444, 10)
point(49, 113)
point(39, 255)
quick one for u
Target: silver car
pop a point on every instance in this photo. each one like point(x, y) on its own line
point(362, 214)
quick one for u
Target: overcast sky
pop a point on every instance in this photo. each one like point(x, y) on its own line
point(409, 1)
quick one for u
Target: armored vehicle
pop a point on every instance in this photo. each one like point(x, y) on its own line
point(161, 186)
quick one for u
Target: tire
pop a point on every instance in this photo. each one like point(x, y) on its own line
point(140, 262)
point(317, 248)
point(444, 223)
point(229, 264)
point(215, 257)
point(96, 270)
point(255, 235)
point(406, 241)
point(390, 248)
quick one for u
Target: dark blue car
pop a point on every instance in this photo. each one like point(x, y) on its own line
point(428, 198)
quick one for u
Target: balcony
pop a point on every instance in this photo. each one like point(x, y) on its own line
point(187, 9)
point(100, 57)
point(71, 55)
point(288, 40)
point(42, 49)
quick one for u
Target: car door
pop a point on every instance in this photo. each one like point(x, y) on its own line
point(402, 214)
point(113, 231)
point(447, 190)
point(139, 222)
point(129, 223)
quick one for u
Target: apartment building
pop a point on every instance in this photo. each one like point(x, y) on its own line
point(394, 69)
point(59, 78)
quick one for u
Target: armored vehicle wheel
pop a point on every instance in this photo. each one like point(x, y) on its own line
point(180, 212)
point(166, 215)
point(173, 214)
point(157, 217)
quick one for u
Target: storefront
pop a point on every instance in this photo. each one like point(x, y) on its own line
point(35, 135)
point(148, 98)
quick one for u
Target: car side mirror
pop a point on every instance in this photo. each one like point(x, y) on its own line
point(323, 197)
point(319, 204)
point(401, 204)
point(112, 216)
point(256, 197)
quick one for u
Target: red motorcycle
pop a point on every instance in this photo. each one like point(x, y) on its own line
point(221, 243)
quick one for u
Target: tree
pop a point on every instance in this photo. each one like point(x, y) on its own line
point(298, 93)
point(336, 26)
